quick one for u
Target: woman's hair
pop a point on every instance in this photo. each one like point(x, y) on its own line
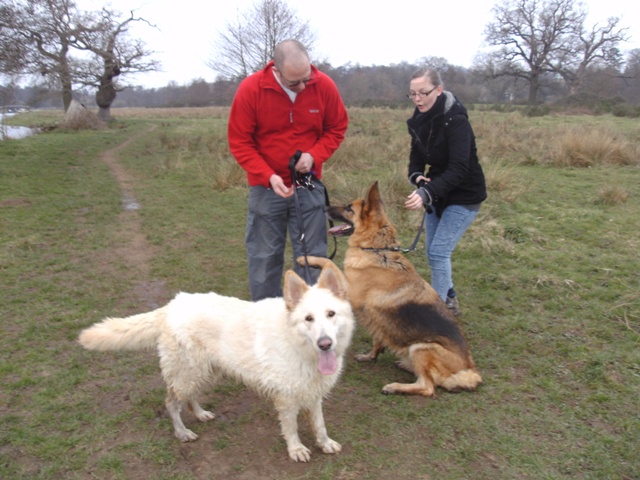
point(430, 74)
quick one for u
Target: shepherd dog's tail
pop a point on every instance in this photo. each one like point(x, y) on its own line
point(316, 262)
point(137, 332)
point(468, 379)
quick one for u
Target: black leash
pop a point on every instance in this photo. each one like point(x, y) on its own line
point(335, 240)
point(424, 217)
point(415, 242)
point(296, 201)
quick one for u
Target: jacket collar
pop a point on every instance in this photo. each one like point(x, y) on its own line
point(269, 79)
point(442, 106)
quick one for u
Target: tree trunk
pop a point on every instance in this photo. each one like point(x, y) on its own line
point(104, 113)
point(534, 83)
point(67, 96)
point(66, 85)
point(106, 93)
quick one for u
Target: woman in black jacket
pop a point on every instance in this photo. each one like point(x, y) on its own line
point(454, 186)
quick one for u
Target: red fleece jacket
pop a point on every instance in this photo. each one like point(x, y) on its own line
point(265, 128)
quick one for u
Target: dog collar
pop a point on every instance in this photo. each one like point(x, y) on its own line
point(384, 249)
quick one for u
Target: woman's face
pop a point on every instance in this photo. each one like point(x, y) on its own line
point(423, 94)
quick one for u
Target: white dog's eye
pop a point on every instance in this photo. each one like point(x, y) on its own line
point(309, 318)
point(331, 313)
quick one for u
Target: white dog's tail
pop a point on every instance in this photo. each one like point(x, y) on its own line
point(138, 332)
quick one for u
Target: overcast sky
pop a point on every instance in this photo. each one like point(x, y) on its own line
point(346, 30)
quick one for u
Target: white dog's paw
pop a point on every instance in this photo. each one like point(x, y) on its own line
point(186, 435)
point(299, 453)
point(205, 416)
point(331, 446)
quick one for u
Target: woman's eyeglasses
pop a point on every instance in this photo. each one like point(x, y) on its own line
point(414, 95)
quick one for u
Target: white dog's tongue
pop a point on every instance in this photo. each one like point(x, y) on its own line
point(327, 363)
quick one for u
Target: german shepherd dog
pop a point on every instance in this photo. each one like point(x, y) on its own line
point(399, 309)
point(288, 349)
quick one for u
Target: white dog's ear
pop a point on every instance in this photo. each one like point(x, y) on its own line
point(294, 289)
point(334, 280)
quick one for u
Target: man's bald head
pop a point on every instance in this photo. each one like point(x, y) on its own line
point(291, 54)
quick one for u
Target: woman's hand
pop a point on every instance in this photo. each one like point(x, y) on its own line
point(414, 201)
point(422, 178)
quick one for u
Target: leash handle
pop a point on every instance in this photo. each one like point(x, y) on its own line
point(292, 166)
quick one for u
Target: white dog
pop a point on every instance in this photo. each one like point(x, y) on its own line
point(288, 349)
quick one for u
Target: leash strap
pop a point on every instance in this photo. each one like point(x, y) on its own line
point(415, 242)
point(335, 240)
point(296, 201)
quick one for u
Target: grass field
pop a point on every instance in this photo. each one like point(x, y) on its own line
point(548, 278)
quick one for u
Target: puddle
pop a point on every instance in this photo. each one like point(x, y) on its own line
point(9, 131)
point(129, 202)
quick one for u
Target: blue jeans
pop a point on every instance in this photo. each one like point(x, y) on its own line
point(442, 235)
point(268, 219)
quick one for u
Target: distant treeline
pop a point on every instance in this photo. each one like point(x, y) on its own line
point(363, 86)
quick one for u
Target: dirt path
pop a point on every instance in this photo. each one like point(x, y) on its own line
point(245, 457)
point(133, 246)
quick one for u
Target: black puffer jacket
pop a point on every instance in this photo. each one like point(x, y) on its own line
point(443, 139)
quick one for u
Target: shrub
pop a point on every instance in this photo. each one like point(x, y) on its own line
point(578, 147)
point(612, 196)
point(535, 111)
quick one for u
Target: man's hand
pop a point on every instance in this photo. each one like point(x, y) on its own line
point(278, 186)
point(305, 164)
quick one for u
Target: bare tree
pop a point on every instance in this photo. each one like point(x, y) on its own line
point(113, 54)
point(530, 33)
point(12, 54)
point(596, 47)
point(247, 43)
point(540, 39)
point(69, 48)
point(632, 75)
point(44, 33)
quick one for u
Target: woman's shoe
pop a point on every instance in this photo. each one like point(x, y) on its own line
point(454, 306)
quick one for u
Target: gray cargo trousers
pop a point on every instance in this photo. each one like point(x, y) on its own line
point(268, 219)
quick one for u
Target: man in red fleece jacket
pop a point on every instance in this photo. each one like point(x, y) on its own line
point(289, 105)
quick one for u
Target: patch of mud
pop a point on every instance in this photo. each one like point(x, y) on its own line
point(132, 245)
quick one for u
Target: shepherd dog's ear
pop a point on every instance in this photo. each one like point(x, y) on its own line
point(373, 203)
